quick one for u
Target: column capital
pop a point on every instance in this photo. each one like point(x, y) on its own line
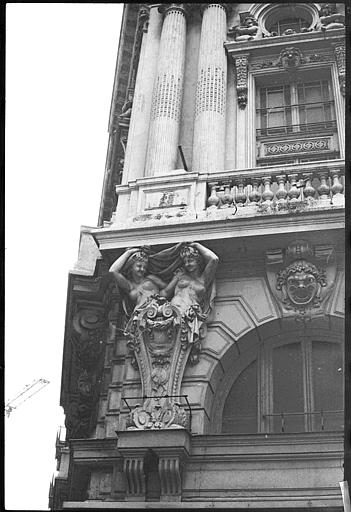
point(182, 8)
point(226, 6)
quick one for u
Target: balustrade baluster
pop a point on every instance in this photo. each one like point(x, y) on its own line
point(240, 197)
point(255, 194)
point(213, 200)
point(267, 194)
point(294, 192)
point(323, 189)
point(338, 198)
point(308, 190)
point(282, 193)
point(227, 198)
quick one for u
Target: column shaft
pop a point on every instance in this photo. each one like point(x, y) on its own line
point(167, 94)
point(140, 118)
point(209, 127)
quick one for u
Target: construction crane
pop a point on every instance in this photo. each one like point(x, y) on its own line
point(27, 392)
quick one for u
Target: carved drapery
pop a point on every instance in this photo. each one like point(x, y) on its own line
point(301, 278)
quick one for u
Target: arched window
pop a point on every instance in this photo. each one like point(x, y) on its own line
point(285, 19)
point(293, 387)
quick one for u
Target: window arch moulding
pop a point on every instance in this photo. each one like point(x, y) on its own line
point(262, 353)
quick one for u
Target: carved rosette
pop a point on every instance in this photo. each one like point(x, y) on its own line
point(162, 341)
point(339, 52)
point(241, 67)
point(301, 278)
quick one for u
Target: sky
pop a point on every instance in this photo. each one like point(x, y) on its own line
point(60, 64)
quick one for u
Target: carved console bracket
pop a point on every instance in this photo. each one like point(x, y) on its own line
point(161, 340)
point(301, 278)
point(134, 471)
point(339, 53)
point(241, 63)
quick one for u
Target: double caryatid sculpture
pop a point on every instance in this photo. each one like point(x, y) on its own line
point(167, 296)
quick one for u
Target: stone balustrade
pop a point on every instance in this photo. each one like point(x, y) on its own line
point(270, 190)
point(192, 196)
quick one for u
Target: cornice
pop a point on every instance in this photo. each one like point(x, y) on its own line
point(306, 40)
point(271, 225)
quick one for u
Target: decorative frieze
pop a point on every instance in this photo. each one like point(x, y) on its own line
point(297, 146)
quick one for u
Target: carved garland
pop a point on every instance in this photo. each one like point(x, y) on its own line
point(339, 52)
point(241, 67)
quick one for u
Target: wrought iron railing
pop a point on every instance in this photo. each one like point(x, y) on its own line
point(321, 421)
point(284, 416)
point(301, 111)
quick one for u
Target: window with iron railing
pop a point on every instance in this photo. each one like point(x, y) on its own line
point(295, 387)
point(296, 24)
point(292, 108)
point(296, 120)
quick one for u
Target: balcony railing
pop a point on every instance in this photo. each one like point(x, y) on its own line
point(285, 422)
point(279, 189)
point(301, 124)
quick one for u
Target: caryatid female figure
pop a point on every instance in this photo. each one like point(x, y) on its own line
point(191, 283)
point(131, 273)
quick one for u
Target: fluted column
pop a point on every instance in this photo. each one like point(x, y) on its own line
point(167, 93)
point(210, 106)
point(140, 118)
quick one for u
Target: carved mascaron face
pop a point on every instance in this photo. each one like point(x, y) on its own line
point(301, 288)
point(301, 281)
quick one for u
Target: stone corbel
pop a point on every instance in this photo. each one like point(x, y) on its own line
point(339, 53)
point(134, 471)
point(170, 466)
point(241, 63)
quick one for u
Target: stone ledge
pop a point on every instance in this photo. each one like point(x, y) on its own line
point(250, 503)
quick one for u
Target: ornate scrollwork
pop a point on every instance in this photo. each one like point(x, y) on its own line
point(87, 339)
point(161, 339)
